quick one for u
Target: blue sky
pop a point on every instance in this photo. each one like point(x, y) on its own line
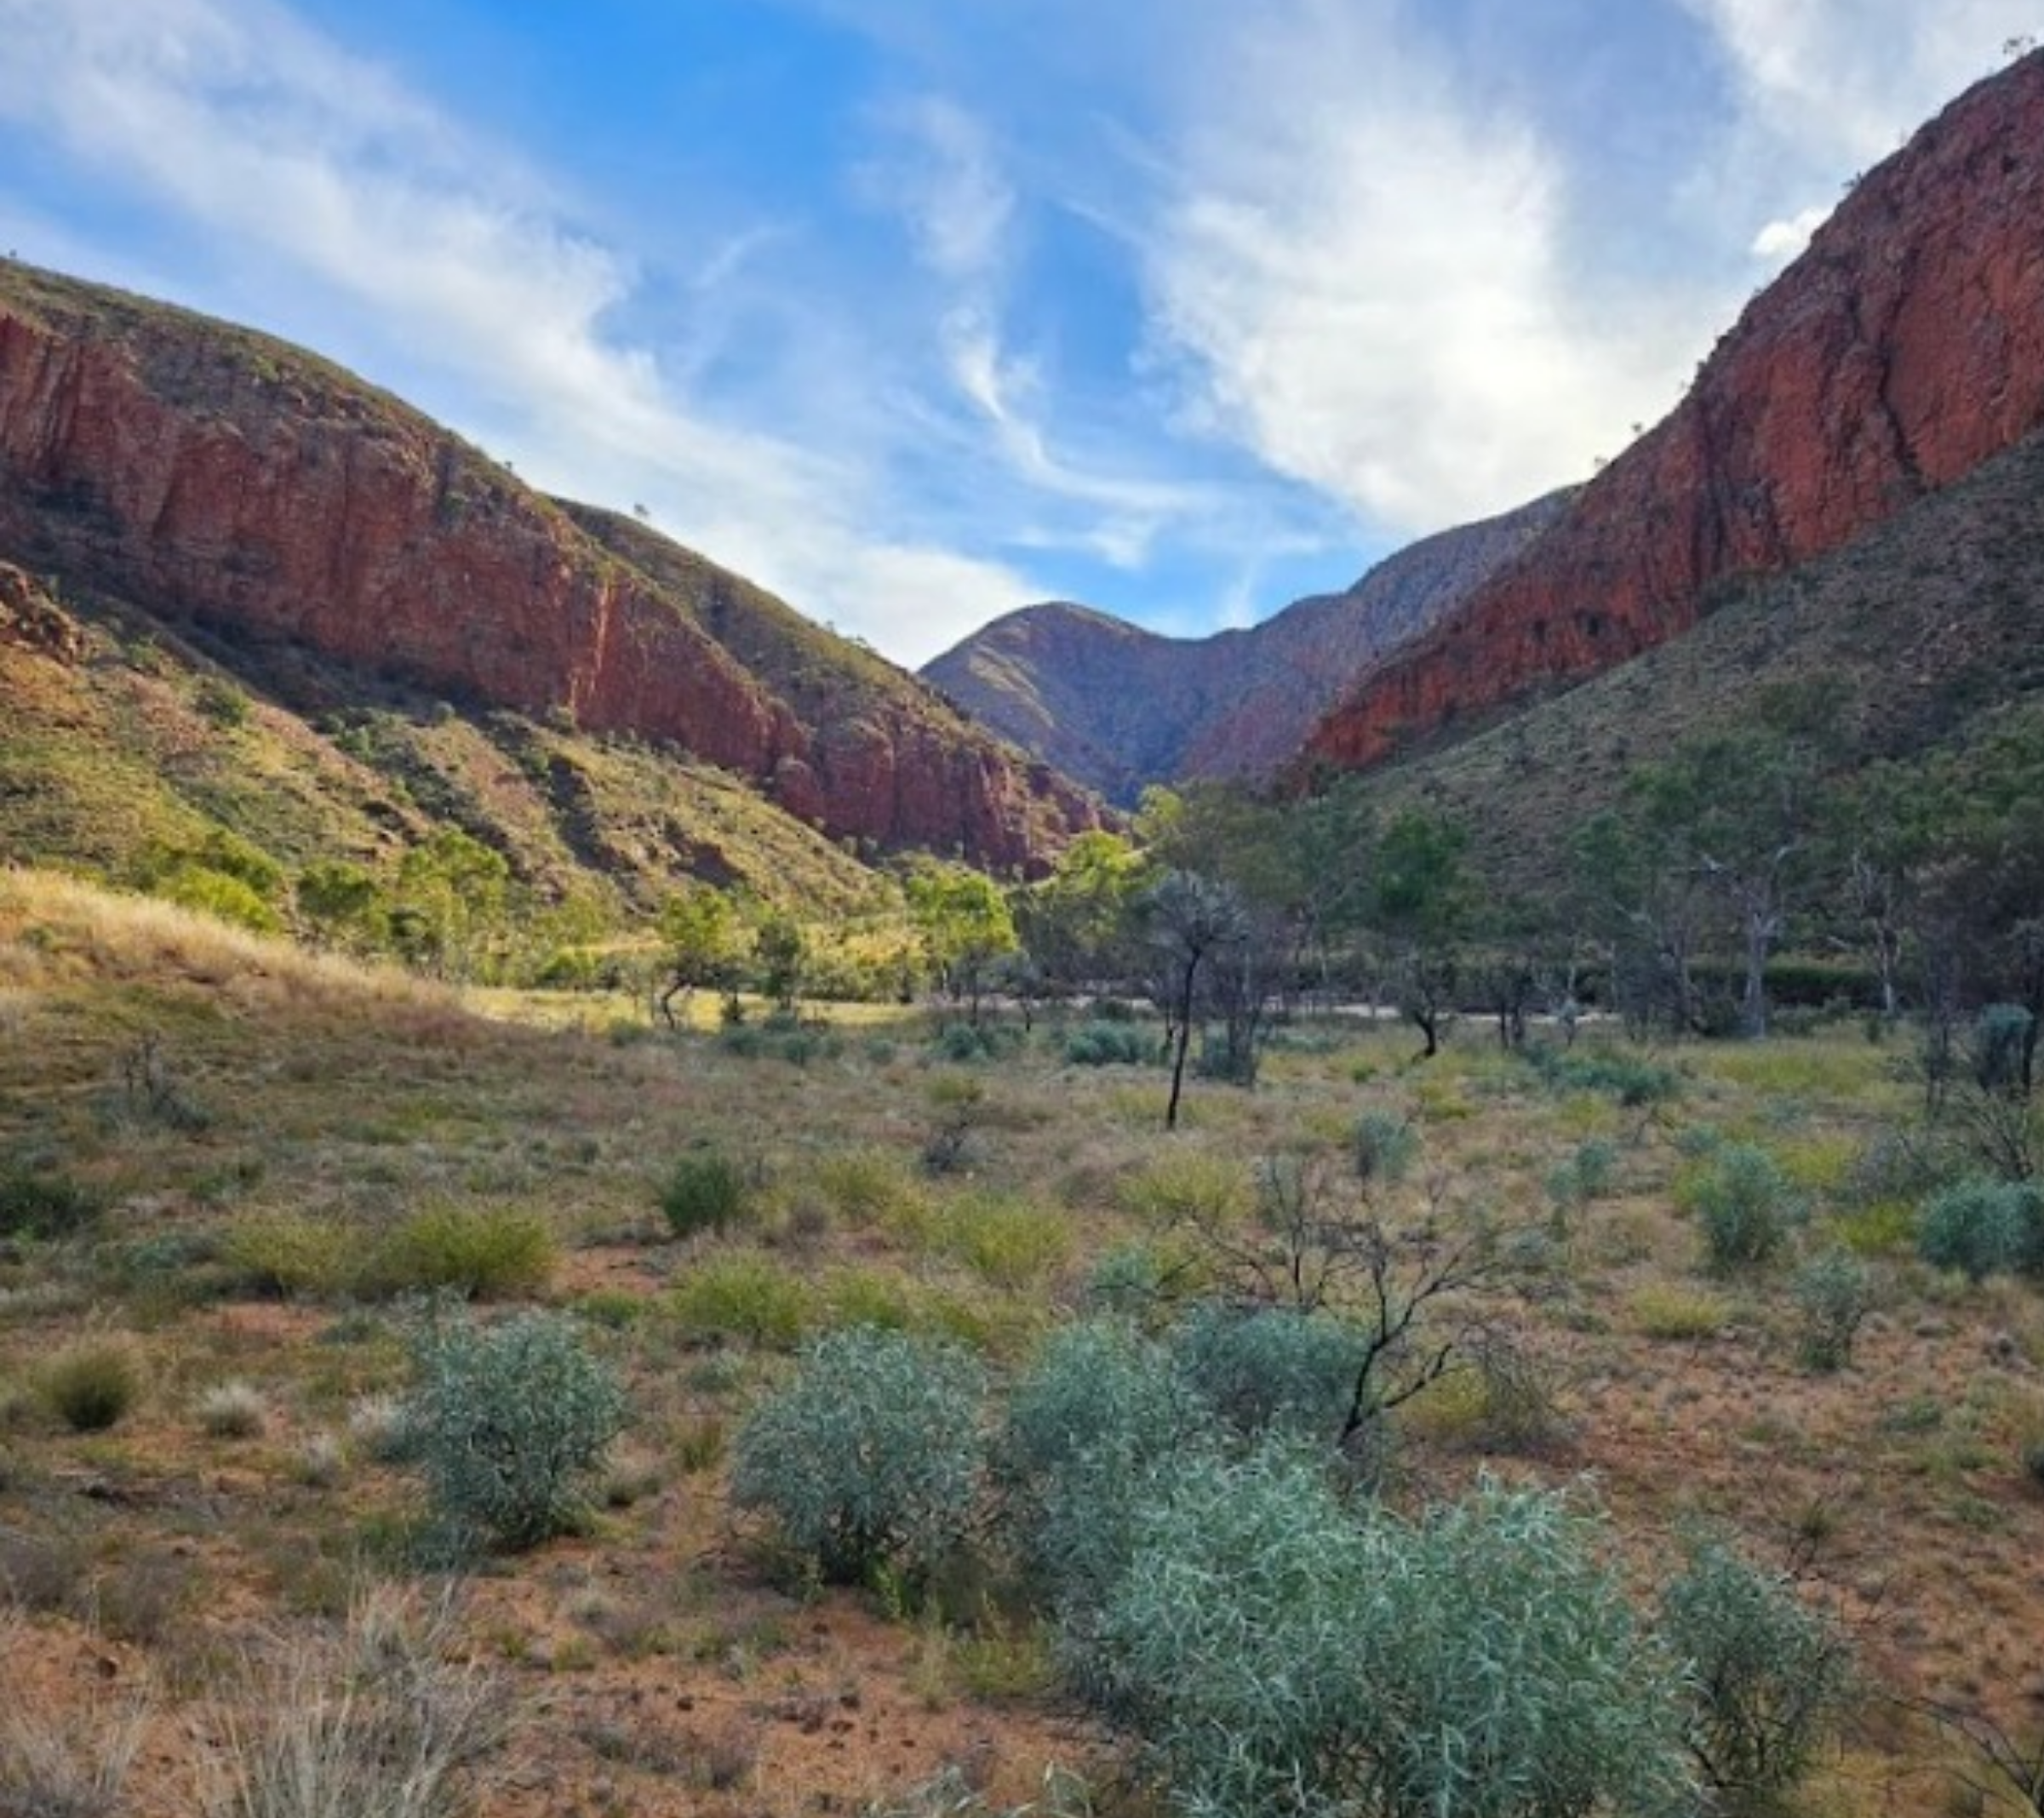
point(918, 310)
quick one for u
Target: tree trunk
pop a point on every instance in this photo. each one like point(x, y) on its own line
point(1185, 1040)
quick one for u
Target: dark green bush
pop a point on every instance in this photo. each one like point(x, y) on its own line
point(782, 1037)
point(1995, 1045)
point(1983, 1227)
point(1769, 1677)
point(1584, 1176)
point(91, 1384)
point(46, 1205)
point(704, 1192)
point(510, 1421)
point(1101, 1043)
point(1633, 1081)
point(870, 1459)
point(986, 1041)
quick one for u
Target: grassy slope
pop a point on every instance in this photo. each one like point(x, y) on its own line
point(104, 759)
point(1925, 625)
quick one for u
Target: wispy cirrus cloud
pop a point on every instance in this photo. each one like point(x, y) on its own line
point(270, 136)
point(942, 172)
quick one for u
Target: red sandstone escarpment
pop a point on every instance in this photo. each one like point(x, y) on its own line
point(1903, 349)
point(201, 471)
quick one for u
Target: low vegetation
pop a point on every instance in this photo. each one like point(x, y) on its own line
point(1573, 1412)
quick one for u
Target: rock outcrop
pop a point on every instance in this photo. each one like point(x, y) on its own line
point(1118, 707)
point(1904, 348)
point(208, 473)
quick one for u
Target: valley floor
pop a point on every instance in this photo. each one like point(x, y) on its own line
point(211, 1105)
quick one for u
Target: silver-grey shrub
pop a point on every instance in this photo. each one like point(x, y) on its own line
point(1277, 1648)
point(1746, 1206)
point(1770, 1677)
point(510, 1421)
point(1983, 1227)
point(872, 1457)
point(1091, 1421)
point(1834, 1293)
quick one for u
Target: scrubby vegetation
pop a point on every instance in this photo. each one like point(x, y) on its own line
point(1570, 1429)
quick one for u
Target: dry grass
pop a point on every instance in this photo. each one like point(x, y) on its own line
point(343, 1101)
point(378, 1722)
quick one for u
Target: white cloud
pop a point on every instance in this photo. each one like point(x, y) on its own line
point(1856, 77)
point(1781, 240)
point(275, 140)
point(1368, 277)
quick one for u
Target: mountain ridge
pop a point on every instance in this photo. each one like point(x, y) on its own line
point(1118, 706)
point(211, 474)
point(1905, 346)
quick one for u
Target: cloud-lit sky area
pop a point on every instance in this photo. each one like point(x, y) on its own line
point(916, 311)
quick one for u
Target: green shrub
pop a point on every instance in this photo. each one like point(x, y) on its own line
point(965, 1041)
point(1665, 1311)
point(870, 1458)
point(703, 1191)
point(46, 1205)
point(91, 1384)
point(1995, 1045)
point(215, 893)
point(511, 1421)
point(1009, 1242)
point(1279, 1649)
point(1385, 1146)
point(1634, 1083)
point(1983, 1227)
point(1833, 1294)
point(782, 1037)
point(1745, 1206)
point(742, 1296)
point(1584, 1176)
point(1769, 1677)
point(468, 1251)
point(865, 1185)
point(2031, 1455)
point(1208, 1192)
point(288, 1254)
point(1271, 1368)
point(1103, 1043)
point(1130, 1281)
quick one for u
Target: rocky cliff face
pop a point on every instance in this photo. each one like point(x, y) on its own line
point(1903, 349)
point(1119, 707)
point(208, 473)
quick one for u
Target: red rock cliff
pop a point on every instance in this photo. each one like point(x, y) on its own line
point(1905, 348)
point(200, 471)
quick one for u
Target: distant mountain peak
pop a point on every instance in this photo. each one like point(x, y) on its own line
point(1118, 706)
